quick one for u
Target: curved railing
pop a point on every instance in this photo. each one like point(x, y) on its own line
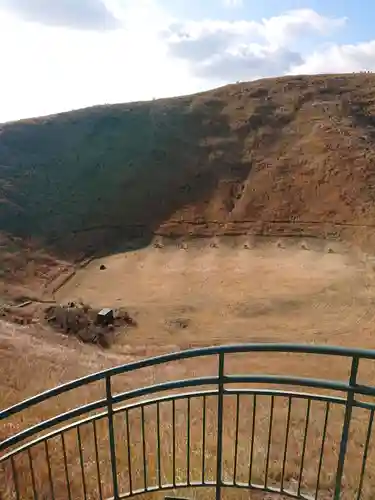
point(252, 431)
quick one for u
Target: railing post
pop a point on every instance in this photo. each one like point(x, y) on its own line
point(346, 426)
point(111, 433)
point(220, 406)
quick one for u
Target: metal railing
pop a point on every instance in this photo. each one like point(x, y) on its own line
point(222, 430)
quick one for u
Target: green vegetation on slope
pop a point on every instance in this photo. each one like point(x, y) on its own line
point(294, 148)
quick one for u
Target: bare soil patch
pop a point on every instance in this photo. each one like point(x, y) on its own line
point(228, 293)
point(203, 295)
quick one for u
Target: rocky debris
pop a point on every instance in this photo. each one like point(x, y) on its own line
point(82, 321)
point(15, 314)
point(158, 244)
point(102, 267)
point(179, 323)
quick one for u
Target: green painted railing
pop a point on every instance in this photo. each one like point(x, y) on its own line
point(223, 430)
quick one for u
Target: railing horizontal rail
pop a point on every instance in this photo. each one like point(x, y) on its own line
point(104, 414)
point(77, 412)
point(186, 383)
point(299, 381)
point(51, 422)
point(175, 397)
point(244, 392)
point(225, 418)
point(243, 379)
point(51, 435)
point(165, 386)
point(193, 484)
point(249, 392)
point(180, 384)
point(190, 353)
point(299, 395)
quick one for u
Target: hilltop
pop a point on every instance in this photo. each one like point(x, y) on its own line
point(249, 157)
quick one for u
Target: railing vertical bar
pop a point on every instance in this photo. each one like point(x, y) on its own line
point(143, 431)
point(365, 453)
point(237, 437)
point(269, 441)
point(174, 440)
point(111, 433)
point(158, 441)
point(304, 446)
point(286, 443)
point(345, 427)
point(33, 484)
point(252, 439)
point(322, 450)
point(97, 460)
point(66, 466)
point(129, 452)
point(188, 443)
point(204, 439)
point(220, 409)
point(15, 478)
point(49, 470)
point(81, 461)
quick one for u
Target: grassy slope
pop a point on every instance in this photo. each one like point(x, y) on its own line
point(232, 154)
point(273, 150)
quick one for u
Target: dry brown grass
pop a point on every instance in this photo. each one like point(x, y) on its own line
point(214, 159)
point(227, 295)
point(252, 156)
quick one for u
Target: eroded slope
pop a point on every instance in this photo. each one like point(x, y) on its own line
point(247, 157)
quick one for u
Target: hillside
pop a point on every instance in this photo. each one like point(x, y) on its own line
point(286, 157)
point(250, 157)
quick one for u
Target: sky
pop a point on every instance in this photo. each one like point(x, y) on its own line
point(58, 55)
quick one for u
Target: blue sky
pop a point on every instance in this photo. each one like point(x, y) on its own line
point(59, 55)
point(361, 14)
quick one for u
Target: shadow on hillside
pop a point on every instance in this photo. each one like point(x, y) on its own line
point(187, 153)
point(102, 181)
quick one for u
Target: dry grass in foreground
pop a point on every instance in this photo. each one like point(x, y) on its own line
point(326, 299)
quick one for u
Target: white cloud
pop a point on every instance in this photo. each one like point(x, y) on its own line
point(339, 59)
point(47, 70)
point(81, 14)
point(197, 41)
point(230, 50)
point(247, 63)
point(286, 28)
